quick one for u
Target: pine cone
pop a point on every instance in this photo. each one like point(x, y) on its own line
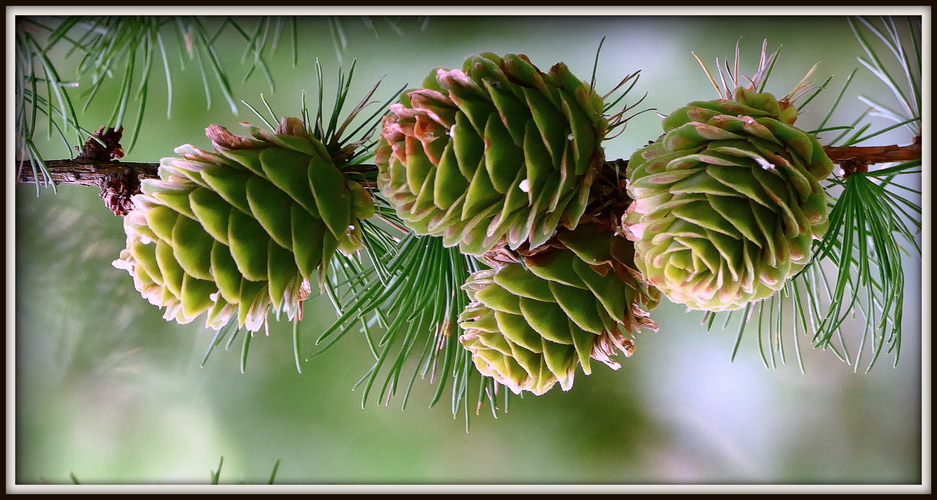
point(241, 230)
point(727, 202)
point(531, 323)
point(497, 152)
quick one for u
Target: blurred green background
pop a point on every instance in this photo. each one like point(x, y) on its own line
point(108, 391)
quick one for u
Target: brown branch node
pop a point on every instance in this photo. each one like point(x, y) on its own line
point(104, 146)
point(852, 166)
point(117, 190)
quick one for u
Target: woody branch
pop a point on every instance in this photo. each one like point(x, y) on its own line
point(118, 180)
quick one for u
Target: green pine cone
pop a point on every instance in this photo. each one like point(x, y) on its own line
point(241, 231)
point(530, 325)
point(498, 152)
point(727, 202)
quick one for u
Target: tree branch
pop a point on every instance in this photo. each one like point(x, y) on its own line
point(120, 180)
point(117, 180)
point(84, 171)
point(875, 154)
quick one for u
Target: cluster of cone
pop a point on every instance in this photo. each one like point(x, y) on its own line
point(500, 158)
point(506, 162)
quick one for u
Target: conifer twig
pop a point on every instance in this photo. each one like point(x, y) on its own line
point(118, 180)
point(875, 154)
point(92, 172)
point(85, 171)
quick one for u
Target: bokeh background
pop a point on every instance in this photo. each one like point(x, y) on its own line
point(108, 392)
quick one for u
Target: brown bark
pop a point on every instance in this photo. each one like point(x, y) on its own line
point(871, 155)
point(85, 171)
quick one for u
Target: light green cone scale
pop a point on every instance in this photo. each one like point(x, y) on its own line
point(497, 152)
point(530, 324)
point(240, 232)
point(727, 202)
